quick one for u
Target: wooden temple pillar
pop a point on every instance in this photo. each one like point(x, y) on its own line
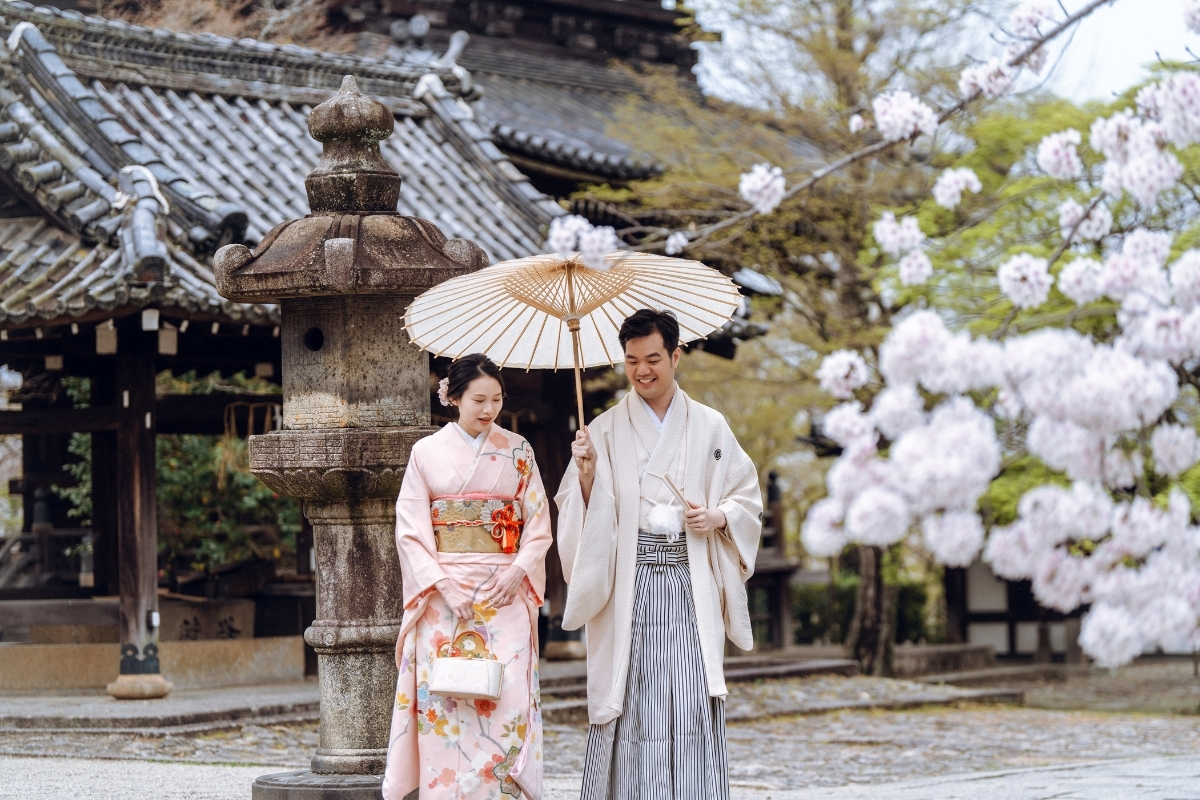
point(105, 486)
point(137, 521)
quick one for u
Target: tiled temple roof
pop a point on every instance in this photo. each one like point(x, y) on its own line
point(146, 150)
point(557, 111)
point(551, 110)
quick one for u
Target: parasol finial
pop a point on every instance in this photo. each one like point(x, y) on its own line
point(352, 177)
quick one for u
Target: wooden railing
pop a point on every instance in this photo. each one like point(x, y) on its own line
point(35, 559)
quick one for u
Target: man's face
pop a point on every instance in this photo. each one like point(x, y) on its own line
point(651, 369)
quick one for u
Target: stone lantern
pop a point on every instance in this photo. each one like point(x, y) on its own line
point(355, 399)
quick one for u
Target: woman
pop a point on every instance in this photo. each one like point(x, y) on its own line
point(472, 529)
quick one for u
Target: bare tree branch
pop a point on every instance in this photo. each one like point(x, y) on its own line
point(701, 235)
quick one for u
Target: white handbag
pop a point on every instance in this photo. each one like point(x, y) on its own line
point(466, 669)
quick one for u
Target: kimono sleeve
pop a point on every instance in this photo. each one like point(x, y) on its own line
point(587, 537)
point(742, 505)
point(414, 534)
point(536, 535)
point(733, 550)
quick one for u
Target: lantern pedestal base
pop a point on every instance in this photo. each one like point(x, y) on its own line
point(311, 786)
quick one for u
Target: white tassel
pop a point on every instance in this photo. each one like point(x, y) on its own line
point(665, 520)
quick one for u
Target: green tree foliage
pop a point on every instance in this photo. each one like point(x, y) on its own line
point(211, 510)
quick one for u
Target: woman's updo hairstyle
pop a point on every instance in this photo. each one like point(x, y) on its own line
point(467, 369)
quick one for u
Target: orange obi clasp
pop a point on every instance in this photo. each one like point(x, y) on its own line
point(476, 523)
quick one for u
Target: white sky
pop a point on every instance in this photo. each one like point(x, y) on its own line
point(1113, 45)
point(1108, 53)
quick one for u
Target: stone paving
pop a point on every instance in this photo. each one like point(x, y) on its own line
point(96, 710)
point(1146, 779)
point(782, 757)
point(774, 753)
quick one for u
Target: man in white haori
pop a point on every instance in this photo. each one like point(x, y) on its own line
point(658, 586)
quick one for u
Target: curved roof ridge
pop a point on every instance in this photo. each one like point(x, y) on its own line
point(102, 45)
point(546, 147)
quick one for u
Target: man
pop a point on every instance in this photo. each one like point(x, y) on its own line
point(658, 586)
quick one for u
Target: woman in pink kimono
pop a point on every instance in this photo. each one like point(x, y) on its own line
point(472, 528)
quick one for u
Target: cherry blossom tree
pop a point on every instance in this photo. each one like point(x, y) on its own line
point(1091, 371)
point(1083, 361)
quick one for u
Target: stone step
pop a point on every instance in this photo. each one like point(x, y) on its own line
point(739, 669)
point(574, 712)
point(1022, 672)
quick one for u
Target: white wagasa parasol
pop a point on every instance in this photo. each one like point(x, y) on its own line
point(551, 311)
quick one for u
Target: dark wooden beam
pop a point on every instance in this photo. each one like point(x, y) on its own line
point(205, 413)
point(58, 612)
point(61, 420)
point(198, 413)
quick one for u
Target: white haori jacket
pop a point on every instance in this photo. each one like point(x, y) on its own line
point(598, 541)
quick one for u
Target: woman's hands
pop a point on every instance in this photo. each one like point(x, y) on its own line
point(458, 600)
point(500, 590)
point(503, 587)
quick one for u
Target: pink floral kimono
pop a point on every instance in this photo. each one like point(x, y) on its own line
point(467, 510)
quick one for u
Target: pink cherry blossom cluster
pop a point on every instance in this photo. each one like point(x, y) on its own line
point(564, 233)
point(1138, 161)
point(1191, 15)
point(915, 268)
point(1025, 280)
point(1027, 16)
point(904, 237)
point(1155, 604)
point(1057, 157)
point(936, 470)
point(950, 185)
point(675, 243)
point(896, 237)
point(900, 114)
point(762, 187)
point(573, 233)
point(1080, 280)
point(1092, 226)
point(993, 77)
point(843, 372)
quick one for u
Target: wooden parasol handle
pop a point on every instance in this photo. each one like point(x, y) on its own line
point(573, 324)
point(576, 348)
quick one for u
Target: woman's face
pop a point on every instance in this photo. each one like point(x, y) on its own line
point(480, 404)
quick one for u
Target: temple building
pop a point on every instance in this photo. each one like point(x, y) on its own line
point(128, 155)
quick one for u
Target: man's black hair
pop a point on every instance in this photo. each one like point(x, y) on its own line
point(647, 321)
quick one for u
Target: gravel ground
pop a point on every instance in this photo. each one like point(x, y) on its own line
point(790, 753)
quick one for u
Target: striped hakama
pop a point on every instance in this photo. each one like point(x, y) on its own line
point(669, 742)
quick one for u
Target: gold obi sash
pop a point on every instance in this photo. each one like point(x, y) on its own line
point(476, 523)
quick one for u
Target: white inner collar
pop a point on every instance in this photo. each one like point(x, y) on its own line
point(476, 442)
point(659, 424)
